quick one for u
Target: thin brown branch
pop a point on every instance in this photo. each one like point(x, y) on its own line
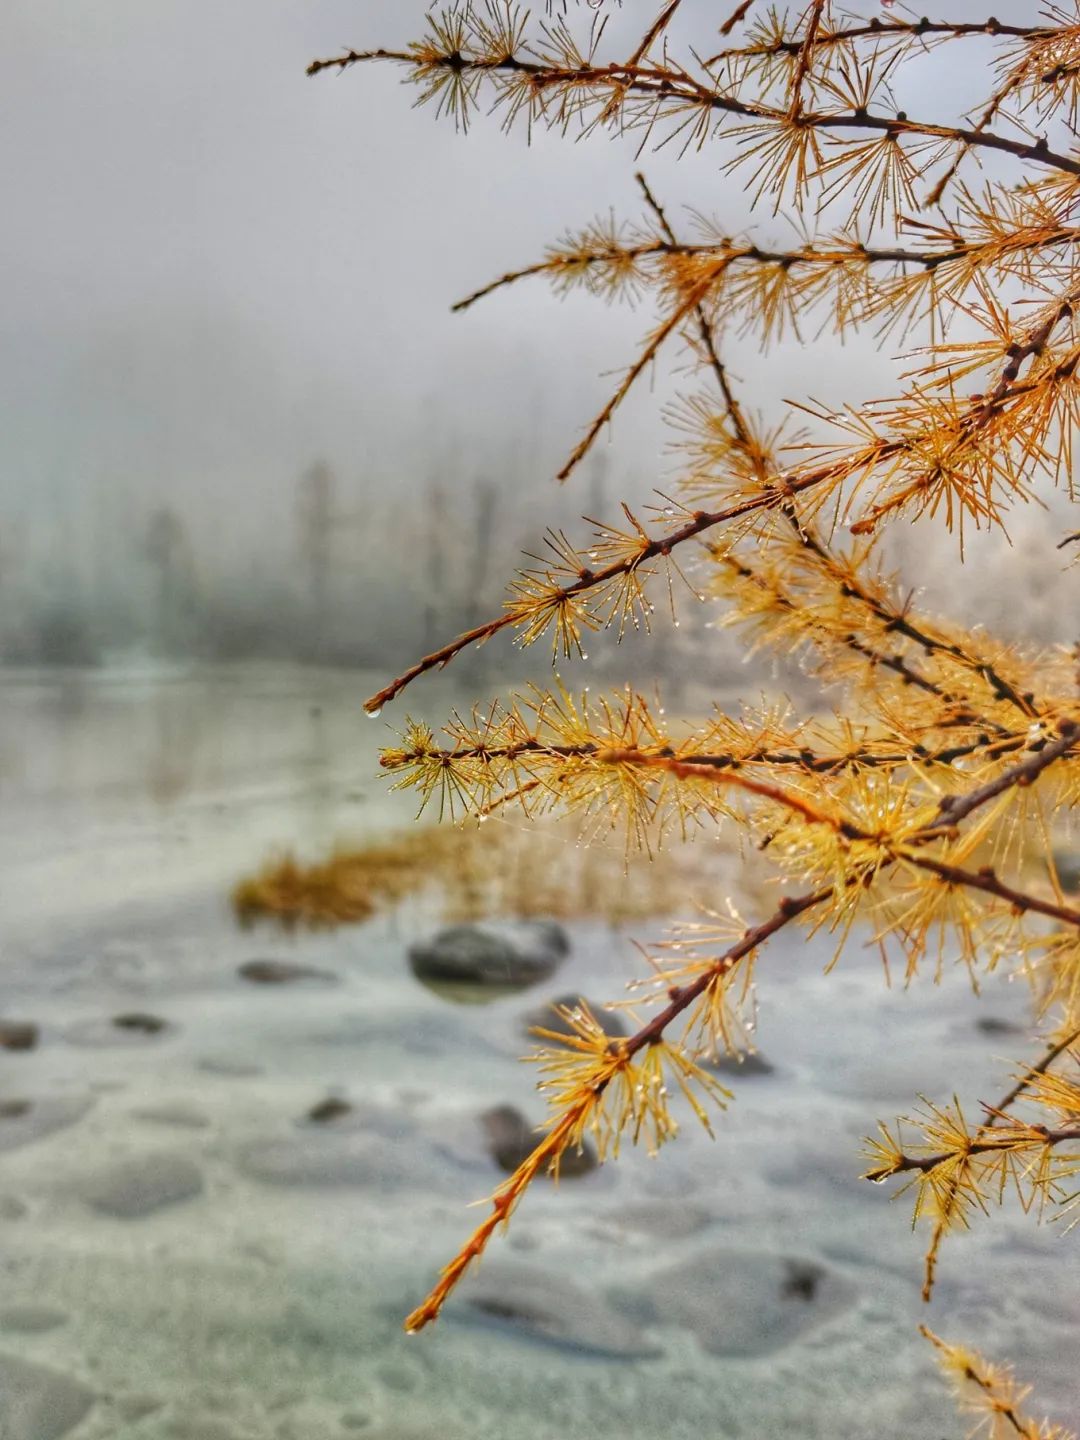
point(1022, 901)
point(803, 758)
point(1005, 1141)
point(735, 17)
point(667, 327)
point(767, 498)
point(1007, 386)
point(741, 430)
point(955, 808)
point(997, 1112)
point(549, 1147)
point(680, 998)
point(1032, 344)
point(829, 256)
point(878, 29)
point(897, 622)
point(896, 663)
point(804, 56)
point(655, 30)
point(998, 1116)
point(658, 84)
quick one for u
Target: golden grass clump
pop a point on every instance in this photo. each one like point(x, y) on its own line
point(477, 872)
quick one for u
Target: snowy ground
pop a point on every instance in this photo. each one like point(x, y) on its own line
point(750, 1286)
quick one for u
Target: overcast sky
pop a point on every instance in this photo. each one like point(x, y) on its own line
point(215, 265)
point(216, 268)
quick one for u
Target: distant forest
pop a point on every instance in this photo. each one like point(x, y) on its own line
point(348, 583)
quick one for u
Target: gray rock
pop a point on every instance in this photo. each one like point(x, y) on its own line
point(329, 1110)
point(140, 1023)
point(510, 1138)
point(30, 1319)
point(748, 1303)
point(132, 1188)
point(505, 955)
point(22, 1121)
point(546, 1017)
point(995, 1025)
point(282, 972)
point(39, 1404)
point(18, 1035)
point(12, 1208)
point(548, 1306)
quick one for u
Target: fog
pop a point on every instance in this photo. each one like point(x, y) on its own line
point(222, 277)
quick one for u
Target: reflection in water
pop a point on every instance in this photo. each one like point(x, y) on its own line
point(178, 721)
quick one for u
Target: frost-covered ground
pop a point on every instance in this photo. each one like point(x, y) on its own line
point(185, 1255)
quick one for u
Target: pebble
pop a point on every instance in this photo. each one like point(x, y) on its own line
point(141, 1023)
point(329, 1110)
point(39, 1404)
point(506, 955)
point(511, 1138)
point(546, 1017)
point(22, 1121)
point(748, 1303)
point(995, 1025)
point(282, 972)
point(548, 1306)
point(18, 1035)
point(142, 1184)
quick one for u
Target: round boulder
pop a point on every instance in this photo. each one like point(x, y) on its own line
point(511, 1138)
point(18, 1035)
point(495, 955)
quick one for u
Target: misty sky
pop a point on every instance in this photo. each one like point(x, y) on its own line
point(216, 269)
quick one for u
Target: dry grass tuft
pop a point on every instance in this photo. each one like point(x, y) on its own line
point(477, 872)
